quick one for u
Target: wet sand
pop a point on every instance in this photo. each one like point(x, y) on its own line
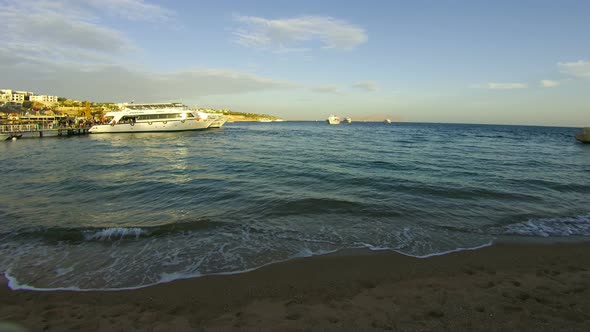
point(504, 287)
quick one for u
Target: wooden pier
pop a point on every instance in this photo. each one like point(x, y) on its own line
point(40, 130)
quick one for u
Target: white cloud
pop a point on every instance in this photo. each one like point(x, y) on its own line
point(121, 83)
point(297, 33)
point(549, 83)
point(64, 48)
point(579, 68)
point(58, 30)
point(326, 89)
point(135, 10)
point(369, 86)
point(51, 29)
point(506, 86)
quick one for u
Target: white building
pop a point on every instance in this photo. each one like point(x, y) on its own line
point(18, 97)
point(43, 98)
point(5, 95)
point(14, 96)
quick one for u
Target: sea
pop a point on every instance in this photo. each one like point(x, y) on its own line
point(124, 211)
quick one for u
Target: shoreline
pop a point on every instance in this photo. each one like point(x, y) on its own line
point(505, 286)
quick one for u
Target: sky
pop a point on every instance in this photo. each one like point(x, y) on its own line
point(496, 62)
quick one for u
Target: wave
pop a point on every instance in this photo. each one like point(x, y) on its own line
point(115, 233)
point(547, 227)
point(119, 233)
point(313, 206)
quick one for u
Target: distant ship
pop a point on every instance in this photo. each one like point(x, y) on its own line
point(347, 119)
point(387, 121)
point(333, 120)
point(264, 120)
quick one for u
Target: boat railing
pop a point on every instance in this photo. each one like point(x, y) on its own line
point(31, 127)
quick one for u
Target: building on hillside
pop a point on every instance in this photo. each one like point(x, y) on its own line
point(14, 97)
point(5, 96)
point(45, 99)
point(18, 97)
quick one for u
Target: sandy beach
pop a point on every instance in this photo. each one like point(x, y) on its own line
point(504, 287)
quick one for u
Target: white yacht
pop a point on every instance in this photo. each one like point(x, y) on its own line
point(218, 120)
point(347, 120)
point(133, 118)
point(333, 119)
point(387, 121)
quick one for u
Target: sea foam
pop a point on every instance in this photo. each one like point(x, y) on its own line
point(115, 233)
point(546, 227)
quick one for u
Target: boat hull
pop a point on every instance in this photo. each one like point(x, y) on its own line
point(583, 138)
point(152, 126)
point(218, 122)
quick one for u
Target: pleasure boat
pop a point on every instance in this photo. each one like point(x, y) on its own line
point(584, 135)
point(387, 121)
point(333, 120)
point(347, 120)
point(134, 118)
point(218, 120)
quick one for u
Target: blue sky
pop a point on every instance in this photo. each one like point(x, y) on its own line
point(512, 62)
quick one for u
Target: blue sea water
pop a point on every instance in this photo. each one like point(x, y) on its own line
point(131, 210)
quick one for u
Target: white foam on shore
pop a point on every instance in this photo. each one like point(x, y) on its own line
point(441, 253)
point(168, 277)
point(14, 284)
point(489, 244)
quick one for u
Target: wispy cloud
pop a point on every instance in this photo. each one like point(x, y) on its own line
point(59, 31)
point(369, 86)
point(135, 10)
point(71, 30)
point(121, 83)
point(326, 89)
point(297, 33)
point(580, 68)
point(549, 83)
point(69, 50)
point(506, 86)
point(56, 29)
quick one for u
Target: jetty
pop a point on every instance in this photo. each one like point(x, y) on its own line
point(584, 135)
point(40, 130)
